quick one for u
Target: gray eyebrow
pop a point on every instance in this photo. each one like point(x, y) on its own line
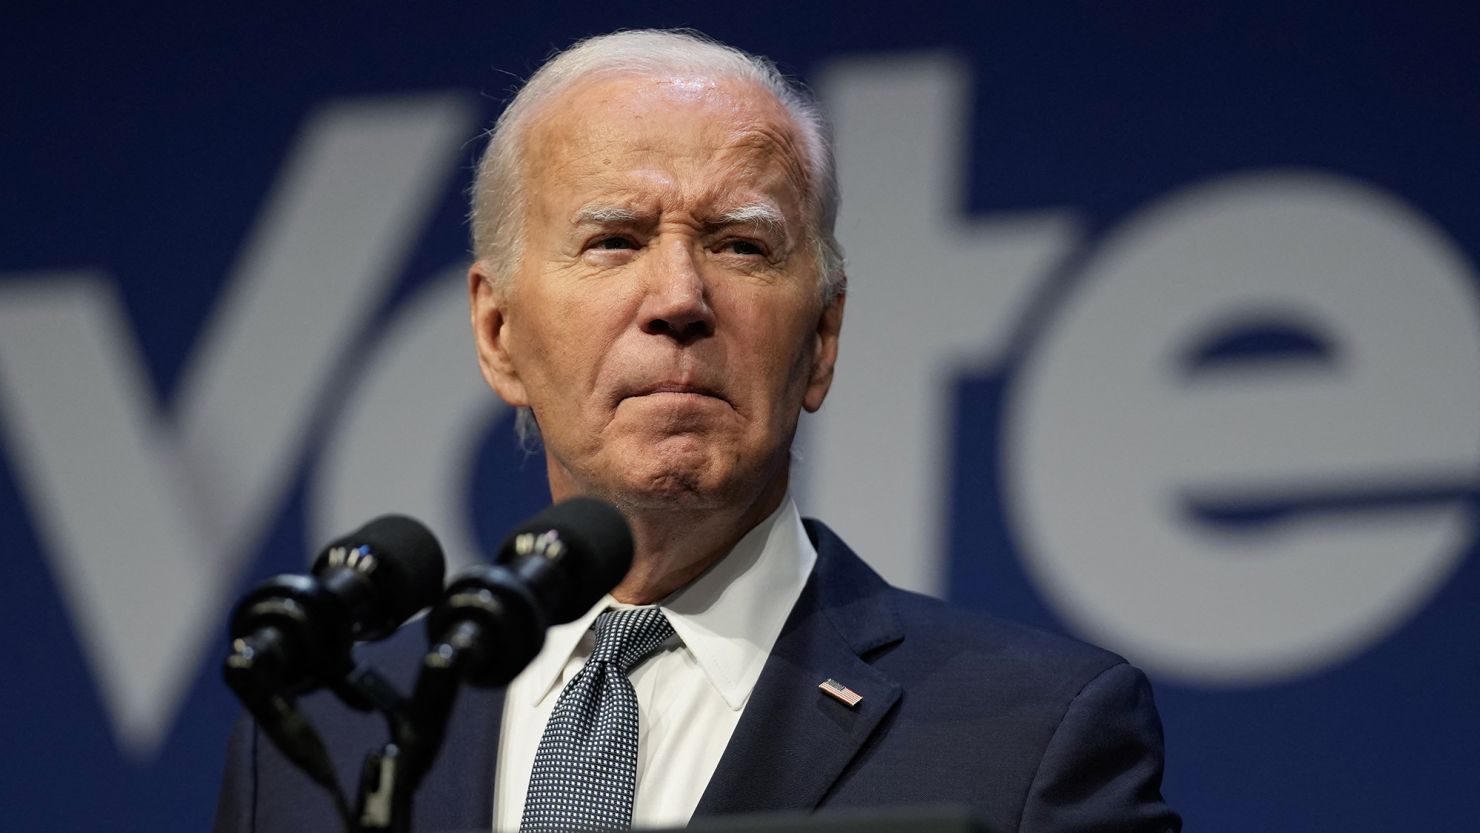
point(604, 215)
point(760, 213)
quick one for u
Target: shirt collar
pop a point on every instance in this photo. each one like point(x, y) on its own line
point(729, 618)
point(543, 672)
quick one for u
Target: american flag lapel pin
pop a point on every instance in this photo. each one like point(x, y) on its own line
point(840, 692)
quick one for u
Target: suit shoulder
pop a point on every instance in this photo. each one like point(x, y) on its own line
point(972, 635)
point(941, 649)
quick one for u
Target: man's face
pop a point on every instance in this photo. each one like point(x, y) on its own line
point(665, 322)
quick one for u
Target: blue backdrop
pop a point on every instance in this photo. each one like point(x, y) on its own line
point(1163, 331)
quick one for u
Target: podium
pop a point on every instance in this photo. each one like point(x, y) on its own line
point(881, 820)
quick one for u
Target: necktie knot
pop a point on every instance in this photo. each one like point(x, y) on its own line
point(625, 637)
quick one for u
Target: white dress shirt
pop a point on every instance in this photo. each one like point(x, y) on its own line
point(690, 693)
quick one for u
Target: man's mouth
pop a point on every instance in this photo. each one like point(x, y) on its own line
point(688, 388)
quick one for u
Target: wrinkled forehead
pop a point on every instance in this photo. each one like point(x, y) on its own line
point(644, 133)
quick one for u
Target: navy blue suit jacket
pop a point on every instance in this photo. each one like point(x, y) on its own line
point(1033, 732)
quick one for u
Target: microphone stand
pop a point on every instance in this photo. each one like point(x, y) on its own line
point(491, 626)
point(391, 776)
point(252, 672)
point(480, 644)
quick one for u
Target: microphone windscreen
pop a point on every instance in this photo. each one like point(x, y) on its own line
point(410, 568)
point(583, 548)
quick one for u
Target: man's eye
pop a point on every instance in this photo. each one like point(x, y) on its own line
point(614, 243)
point(743, 247)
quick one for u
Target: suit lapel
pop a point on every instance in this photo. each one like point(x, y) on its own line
point(794, 741)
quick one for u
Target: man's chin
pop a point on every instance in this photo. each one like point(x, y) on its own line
point(674, 483)
point(672, 473)
point(673, 489)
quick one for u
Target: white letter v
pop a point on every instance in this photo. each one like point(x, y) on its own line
point(148, 518)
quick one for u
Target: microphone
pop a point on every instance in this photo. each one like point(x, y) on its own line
point(492, 619)
point(294, 633)
point(490, 623)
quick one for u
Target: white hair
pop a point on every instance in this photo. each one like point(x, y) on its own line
point(498, 209)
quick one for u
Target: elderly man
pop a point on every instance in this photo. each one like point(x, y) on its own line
point(658, 288)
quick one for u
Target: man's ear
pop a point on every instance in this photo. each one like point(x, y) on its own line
point(490, 316)
point(825, 353)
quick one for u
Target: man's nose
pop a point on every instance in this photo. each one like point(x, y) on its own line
point(677, 300)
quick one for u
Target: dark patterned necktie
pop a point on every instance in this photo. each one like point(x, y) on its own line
point(585, 769)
